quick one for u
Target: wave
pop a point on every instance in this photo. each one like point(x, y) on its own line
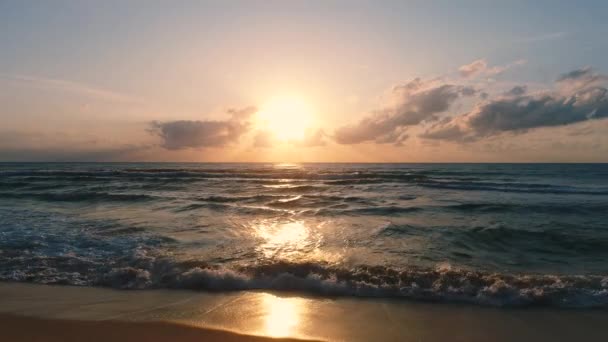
point(291, 202)
point(549, 242)
point(381, 210)
point(228, 207)
point(442, 283)
point(322, 205)
point(12, 185)
point(77, 196)
point(512, 187)
point(549, 208)
point(554, 240)
point(275, 179)
point(235, 199)
point(296, 188)
point(330, 177)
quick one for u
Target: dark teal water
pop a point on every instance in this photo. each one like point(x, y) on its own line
point(497, 234)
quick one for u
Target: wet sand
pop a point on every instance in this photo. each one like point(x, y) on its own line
point(21, 328)
point(64, 313)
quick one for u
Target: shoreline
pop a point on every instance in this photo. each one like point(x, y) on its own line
point(188, 315)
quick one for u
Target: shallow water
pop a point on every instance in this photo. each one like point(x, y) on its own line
point(497, 234)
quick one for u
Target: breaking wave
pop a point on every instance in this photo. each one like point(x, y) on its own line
point(442, 283)
point(514, 235)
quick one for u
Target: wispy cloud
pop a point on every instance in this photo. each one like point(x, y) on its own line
point(19, 145)
point(73, 87)
point(542, 37)
point(481, 67)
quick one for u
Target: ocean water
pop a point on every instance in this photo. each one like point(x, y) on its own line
point(489, 234)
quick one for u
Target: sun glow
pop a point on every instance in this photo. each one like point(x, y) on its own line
point(283, 239)
point(283, 315)
point(286, 117)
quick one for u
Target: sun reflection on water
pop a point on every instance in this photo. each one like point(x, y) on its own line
point(283, 238)
point(282, 315)
point(294, 241)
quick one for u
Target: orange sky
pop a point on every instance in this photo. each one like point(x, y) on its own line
point(311, 81)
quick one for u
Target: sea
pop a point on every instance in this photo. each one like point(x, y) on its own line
point(506, 235)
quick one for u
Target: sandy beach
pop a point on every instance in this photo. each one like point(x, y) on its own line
point(19, 328)
point(63, 313)
point(312, 170)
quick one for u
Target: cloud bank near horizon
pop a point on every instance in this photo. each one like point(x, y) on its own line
point(182, 134)
point(425, 109)
point(465, 111)
point(579, 95)
point(415, 102)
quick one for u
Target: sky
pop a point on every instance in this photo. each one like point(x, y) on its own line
point(304, 81)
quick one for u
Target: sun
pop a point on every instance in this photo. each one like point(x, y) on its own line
point(286, 117)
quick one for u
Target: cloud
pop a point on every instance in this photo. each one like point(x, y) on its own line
point(580, 79)
point(119, 153)
point(415, 102)
point(480, 67)
point(45, 146)
point(517, 91)
point(473, 68)
point(579, 97)
point(183, 134)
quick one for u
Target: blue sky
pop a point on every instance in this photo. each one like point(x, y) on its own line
point(98, 74)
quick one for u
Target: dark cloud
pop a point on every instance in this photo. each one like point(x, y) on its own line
point(579, 79)
point(526, 112)
point(575, 74)
point(182, 134)
point(416, 101)
point(580, 98)
point(447, 129)
point(517, 91)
